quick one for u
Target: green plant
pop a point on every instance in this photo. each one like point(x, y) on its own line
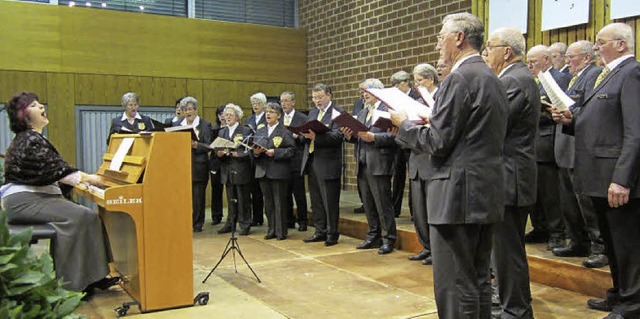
point(28, 285)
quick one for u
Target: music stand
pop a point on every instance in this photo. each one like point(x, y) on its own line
point(232, 245)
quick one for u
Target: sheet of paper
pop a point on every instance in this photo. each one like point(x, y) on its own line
point(123, 149)
point(426, 96)
point(399, 101)
point(559, 99)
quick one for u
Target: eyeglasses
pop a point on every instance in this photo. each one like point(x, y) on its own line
point(491, 47)
point(271, 111)
point(601, 42)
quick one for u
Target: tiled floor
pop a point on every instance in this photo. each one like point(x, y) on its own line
point(302, 280)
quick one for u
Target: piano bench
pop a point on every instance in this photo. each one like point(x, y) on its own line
point(39, 231)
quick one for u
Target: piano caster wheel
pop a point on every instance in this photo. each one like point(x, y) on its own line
point(202, 298)
point(122, 311)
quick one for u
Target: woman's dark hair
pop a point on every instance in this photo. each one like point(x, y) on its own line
point(276, 107)
point(219, 111)
point(17, 111)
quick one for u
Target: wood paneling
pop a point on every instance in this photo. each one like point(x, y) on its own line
point(599, 16)
point(12, 82)
point(60, 111)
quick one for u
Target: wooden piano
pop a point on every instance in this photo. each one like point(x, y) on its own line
point(146, 209)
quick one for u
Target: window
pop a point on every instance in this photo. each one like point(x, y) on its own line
point(268, 12)
point(164, 7)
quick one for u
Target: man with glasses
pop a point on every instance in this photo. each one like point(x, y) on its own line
point(577, 208)
point(505, 49)
point(546, 219)
point(607, 137)
point(558, 51)
point(465, 139)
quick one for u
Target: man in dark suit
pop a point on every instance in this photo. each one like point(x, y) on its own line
point(273, 157)
point(257, 121)
point(466, 188)
point(558, 60)
point(608, 164)
point(547, 217)
point(577, 209)
point(296, 187)
point(237, 172)
point(505, 49)
point(402, 81)
point(199, 158)
point(323, 160)
point(375, 153)
point(358, 105)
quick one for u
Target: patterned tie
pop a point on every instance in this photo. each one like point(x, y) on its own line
point(601, 77)
point(370, 113)
point(573, 80)
point(287, 120)
point(319, 118)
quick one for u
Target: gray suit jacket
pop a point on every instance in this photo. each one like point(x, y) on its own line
point(546, 125)
point(327, 155)
point(607, 130)
point(521, 171)
point(380, 154)
point(564, 148)
point(466, 141)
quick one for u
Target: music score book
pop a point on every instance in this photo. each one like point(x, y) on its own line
point(426, 96)
point(313, 125)
point(221, 143)
point(399, 101)
point(560, 100)
point(184, 128)
point(347, 120)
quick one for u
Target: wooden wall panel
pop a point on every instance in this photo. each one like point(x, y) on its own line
point(81, 41)
point(599, 16)
point(12, 82)
point(60, 111)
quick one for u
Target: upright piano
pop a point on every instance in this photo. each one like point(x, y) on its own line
point(146, 208)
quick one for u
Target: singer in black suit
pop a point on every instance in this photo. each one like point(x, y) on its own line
point(577, 209)
point(199, 158)
point(257, 121)
point(131, 120)
point(296, 187)
point(274, 148)
point(375, 154)
point(323, 159)
point(505, 49)
point(237, 173)
point(466, 188)
point(608, 164)
point(547, 217)
point(215, 170)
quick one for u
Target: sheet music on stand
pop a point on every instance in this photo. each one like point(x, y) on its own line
point(399, 101)
point(559, 99)
point(123, 149)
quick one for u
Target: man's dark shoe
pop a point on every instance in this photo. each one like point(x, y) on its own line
point(215, 222)
point(224, 230)
point(244, 232)
point(303, 227)
point(421, 256)
point(197, 229)
point(599, 304)
point(370, 243)
point(315, 238)
point(385, 249)
point(330, 242)
point(536, 236)
point(270, 236)
point(570, 251)
point(283, 237)
point(359, 210)
point(427, 261)
point(596, 261)
point(555, 242)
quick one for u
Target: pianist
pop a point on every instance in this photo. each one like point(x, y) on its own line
point(34, 173)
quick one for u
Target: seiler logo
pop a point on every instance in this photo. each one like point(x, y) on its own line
point(124, 201)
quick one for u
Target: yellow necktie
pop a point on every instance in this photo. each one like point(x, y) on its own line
point(536, 79)
point(601, 77)
point(287, 120)
point(370, 113)
point(573, 80)
point(319, 118)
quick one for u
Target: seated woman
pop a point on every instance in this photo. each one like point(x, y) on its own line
point(131, 120)
point(273, 152)
point(34, 174)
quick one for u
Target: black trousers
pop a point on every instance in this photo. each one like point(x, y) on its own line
point(399, 179)
point(376, 198)
point(547, 216)
point(238, 206)
point(257, 202)
point(296, 189)
point(198, 196)
point(620, 229)
point(418, 192)
point(325, 201)
point(510, 263)
point(216, 196)
point(579, 215)
point(275, 197)
point(461, 260)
